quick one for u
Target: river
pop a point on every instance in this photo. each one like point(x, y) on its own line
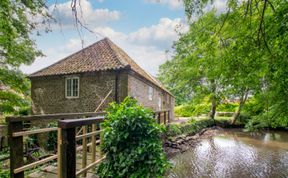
point(233, 153)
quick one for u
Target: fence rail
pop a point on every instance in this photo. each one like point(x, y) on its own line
point(67, 138)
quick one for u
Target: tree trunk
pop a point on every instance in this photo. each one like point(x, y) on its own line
point(213, 109)
point(214, 103)
point(239, 109)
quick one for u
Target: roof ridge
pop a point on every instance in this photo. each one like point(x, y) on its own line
point(123, 62)
point(152, 79)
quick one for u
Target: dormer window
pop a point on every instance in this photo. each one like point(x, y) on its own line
point(72, 87)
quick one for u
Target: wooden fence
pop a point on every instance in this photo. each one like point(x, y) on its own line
point(162, 117)
point(67, 139)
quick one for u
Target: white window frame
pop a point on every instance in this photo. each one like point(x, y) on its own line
point(78, 87)
point(150, 93)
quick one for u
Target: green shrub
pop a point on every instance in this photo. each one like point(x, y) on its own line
point(132, 143)
point(227, 107)
point(189, 110)
point(243, 118)
point(173, 130)
point(191, 127)
point(184, 110)
point(52, 138)
point(4, 173)
point(202, 108)
point(268, 120)
point(253, 107)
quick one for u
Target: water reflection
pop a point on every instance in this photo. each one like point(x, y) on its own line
point(233, 153)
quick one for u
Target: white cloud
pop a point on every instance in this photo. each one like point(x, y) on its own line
point(146, 45)
point(161, 34)
point(86, 14)
point(219, 5)
point(173, 4)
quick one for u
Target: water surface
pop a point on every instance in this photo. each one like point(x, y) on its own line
point(233, 153)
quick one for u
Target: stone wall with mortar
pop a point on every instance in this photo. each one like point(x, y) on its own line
point(139, 89)
point(48, 93)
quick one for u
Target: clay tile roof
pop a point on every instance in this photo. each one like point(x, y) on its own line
point(100, 56)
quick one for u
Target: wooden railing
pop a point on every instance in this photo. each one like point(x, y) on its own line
point(68, 146)
point(67, 139)
point(162, 117)
point(16, 133)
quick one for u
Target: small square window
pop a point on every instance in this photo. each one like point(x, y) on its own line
point(72, 87)
point(150, 93)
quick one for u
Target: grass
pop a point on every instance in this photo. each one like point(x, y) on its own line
point(223, 121)
point(190, 127)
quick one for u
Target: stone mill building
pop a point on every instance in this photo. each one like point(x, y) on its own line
point(79, 82)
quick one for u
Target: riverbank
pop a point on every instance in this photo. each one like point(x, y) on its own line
point(185, 133)
point(182, 143)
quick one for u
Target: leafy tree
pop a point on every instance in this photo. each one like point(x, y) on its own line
point(249, 43)
point(197, 63)
point(16, 48)
point(258, 56)
point(244, 71)
point(132, 142)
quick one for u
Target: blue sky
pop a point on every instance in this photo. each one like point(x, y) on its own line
point(145, 29)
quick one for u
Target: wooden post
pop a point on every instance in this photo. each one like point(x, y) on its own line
point(59, 159)
point(68, 153)
point(159, 118)
point(84, 151)
point(93, 147)
point(16, 149)
point(169, 116)
point(101, 140)
point(164, 117)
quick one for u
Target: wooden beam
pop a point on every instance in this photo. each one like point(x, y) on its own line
point(89, 144)
point(93, 140)
point(161, 111)
point(90, 166)
point(103, 101)
point(101, 139)
point(32, 165)
point(59, 147)
point(36, 131)
point(79, 137)
point(54, 116)
point(16, 149)
point(164, 117)
point(72, 123)
point(68, 153)
point(84, 150)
